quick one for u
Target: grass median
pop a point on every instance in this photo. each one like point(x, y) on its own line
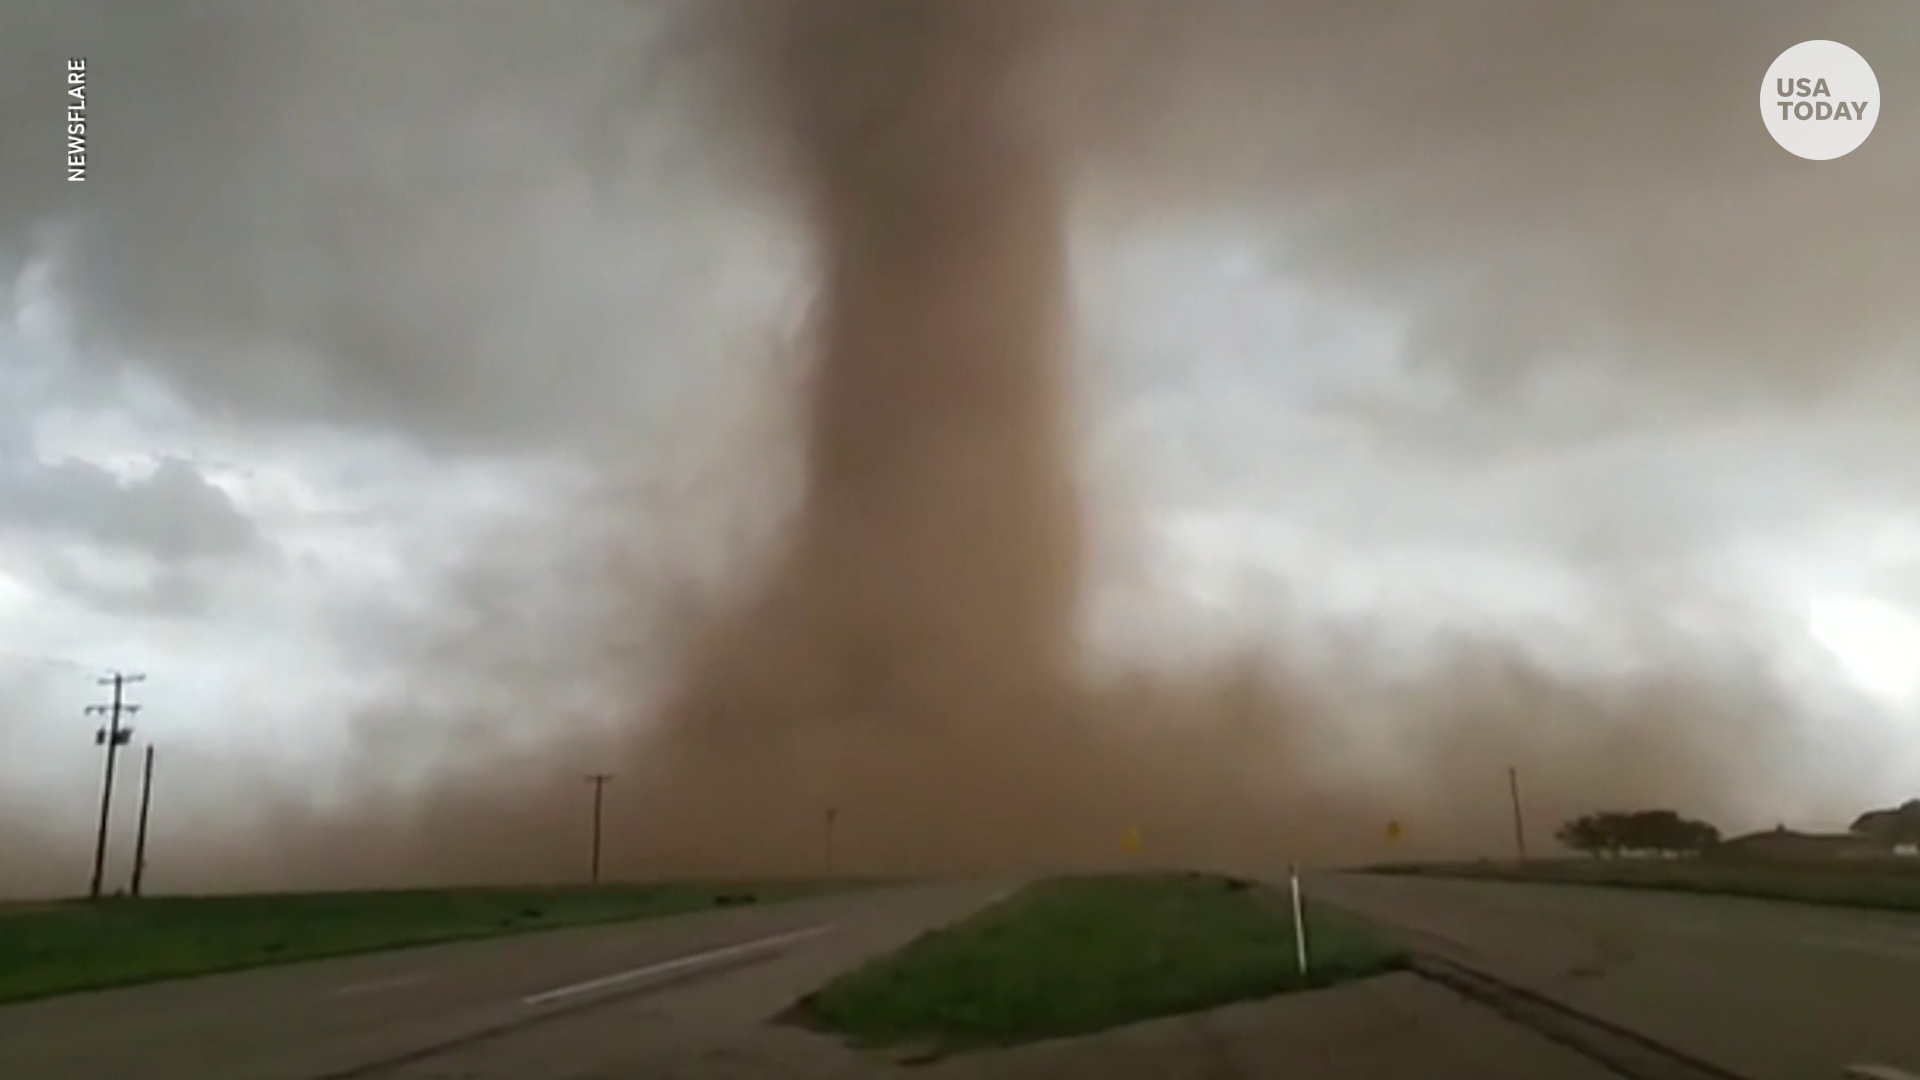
point(59, 948)
point(1885, 885)
point(1079, 955)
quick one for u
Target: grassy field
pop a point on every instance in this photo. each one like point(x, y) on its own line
point(58, 948)
point(1079, 955)
point(1889, 884)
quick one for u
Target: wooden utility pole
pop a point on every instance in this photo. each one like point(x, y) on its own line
point(113, 737)
point(833, 814)
point(1519, 822)
point(599, 782)
point(140, 834)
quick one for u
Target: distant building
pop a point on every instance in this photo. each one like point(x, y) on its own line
point(1900, 823)
point(1781, 844)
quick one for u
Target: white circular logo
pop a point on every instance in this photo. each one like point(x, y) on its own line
point(1820, 100)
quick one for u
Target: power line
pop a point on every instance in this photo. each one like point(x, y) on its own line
point(113, 736)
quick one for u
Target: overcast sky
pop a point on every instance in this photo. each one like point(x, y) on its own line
point(349, 294)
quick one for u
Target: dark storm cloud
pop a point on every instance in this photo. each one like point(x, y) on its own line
point(371, 217)
point(388, 216)
point(173, 514)
point(482, 222)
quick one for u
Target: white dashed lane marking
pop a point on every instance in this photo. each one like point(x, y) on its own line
point(1877, 1072)
point(691, 962)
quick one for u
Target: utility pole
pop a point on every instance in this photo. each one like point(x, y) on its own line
point(113, 737)
point(599, 782)
point(140, 836)
point(833, 813)
point(1519, 826)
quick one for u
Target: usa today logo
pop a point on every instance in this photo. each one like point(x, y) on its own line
point(1820, 100)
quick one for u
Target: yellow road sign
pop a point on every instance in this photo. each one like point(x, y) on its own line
point(1393, 830)
point(1131, 841)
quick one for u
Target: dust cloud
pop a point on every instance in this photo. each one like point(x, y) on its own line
point(912, 665)
point(896, 682)
point(904, 685)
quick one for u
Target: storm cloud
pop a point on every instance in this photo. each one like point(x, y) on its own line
point(483, 230)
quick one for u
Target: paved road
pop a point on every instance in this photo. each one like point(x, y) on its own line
point(1773, 991)
point(1776, 992)
point(314, 1020)
point(603, 1004)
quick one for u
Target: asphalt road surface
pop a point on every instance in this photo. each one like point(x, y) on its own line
point(1771, 991)
point(690, 997)
point(434, 1011)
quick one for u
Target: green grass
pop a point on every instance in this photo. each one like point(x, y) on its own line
point(60, 948)
point(1887, 885)
point(1079, 955)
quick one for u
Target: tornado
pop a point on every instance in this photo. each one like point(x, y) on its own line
point(926, 605)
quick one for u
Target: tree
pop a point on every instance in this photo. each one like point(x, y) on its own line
point(1666, 832)
point(1663, 832)
point(1696, 837)
point(1653, 830)
point(1585, 834)
point(1603, 833)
